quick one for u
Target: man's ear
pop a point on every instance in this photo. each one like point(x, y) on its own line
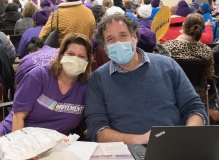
point(135, 37)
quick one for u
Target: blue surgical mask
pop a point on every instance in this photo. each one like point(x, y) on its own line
point(120, 52)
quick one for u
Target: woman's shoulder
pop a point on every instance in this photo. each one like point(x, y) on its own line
point(202, 45)
point(25, 19)
point(173, 43)
point(40, 72)
point(2, 35)
point(204, 48)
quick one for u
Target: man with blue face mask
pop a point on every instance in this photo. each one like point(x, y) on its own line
point(136, 90)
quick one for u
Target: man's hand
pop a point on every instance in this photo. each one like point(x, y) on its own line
point(144, 138)
point(195, 120)
point(110, 135)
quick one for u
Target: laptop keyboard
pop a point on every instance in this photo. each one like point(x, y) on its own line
point(141, 155)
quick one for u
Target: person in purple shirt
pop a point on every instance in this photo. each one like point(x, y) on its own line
point(144, 13)
point(35, 2)
point(88, 3)
point(53, 5)
point(39, 18)
point(41, 55)
point(46, 4)
point(53, 96)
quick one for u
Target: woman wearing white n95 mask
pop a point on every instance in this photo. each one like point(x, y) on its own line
point(53, 96)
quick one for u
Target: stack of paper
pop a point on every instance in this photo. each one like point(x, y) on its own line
point(112, 151)
point(76, 151)
point(89, 151)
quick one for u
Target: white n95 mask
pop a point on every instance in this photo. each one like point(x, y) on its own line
point(73, 66)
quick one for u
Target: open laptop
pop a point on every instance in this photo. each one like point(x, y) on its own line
point(179, 143)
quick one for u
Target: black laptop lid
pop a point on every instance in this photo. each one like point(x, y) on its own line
point(183, 143)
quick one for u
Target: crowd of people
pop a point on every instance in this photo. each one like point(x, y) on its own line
point(109, 70)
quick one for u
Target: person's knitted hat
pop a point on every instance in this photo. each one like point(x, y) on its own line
point(155, 3)
point(114, 9)
point(195, 4)
point(145, 11)
point(40, 17)
point(45, 3)
point(183, 9)
point(205, 7)
point(35, 1)
point(147, 40)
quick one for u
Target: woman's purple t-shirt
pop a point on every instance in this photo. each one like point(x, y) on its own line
point(38, 92)
point(39, 58)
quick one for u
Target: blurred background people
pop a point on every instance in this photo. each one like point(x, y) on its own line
point(176, 21)
point(39, 20)
point(188, 46)
point(144, 13)
point(155, 8)
point(20, 8)
point(34, 45)
point(9, 48)
point(46, 4)
point(26, 22)
point(53, 5)
point(11, 16)
point(73, 17)
point(194, 6)
point(2, 7)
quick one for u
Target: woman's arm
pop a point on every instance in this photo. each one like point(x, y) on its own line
point(207, 35)
point(18, 120)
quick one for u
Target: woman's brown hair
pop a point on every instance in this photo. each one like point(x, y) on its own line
point(193, 25)
point(29, 9)
point(107, 3)
point(127, 4)
point(73, 38)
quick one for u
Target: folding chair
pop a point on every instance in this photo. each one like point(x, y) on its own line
point(8, 31)
point(1, 101)
point(215, 79)
point(212, 45)
point(0, 25)
point(196, 71)
point(3, 105)
point(3, 108)
point(15, 40)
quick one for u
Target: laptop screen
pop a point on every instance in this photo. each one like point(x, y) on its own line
point(180, 143)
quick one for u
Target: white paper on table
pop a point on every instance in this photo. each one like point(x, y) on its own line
point(76, 151)
point(112, 150)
